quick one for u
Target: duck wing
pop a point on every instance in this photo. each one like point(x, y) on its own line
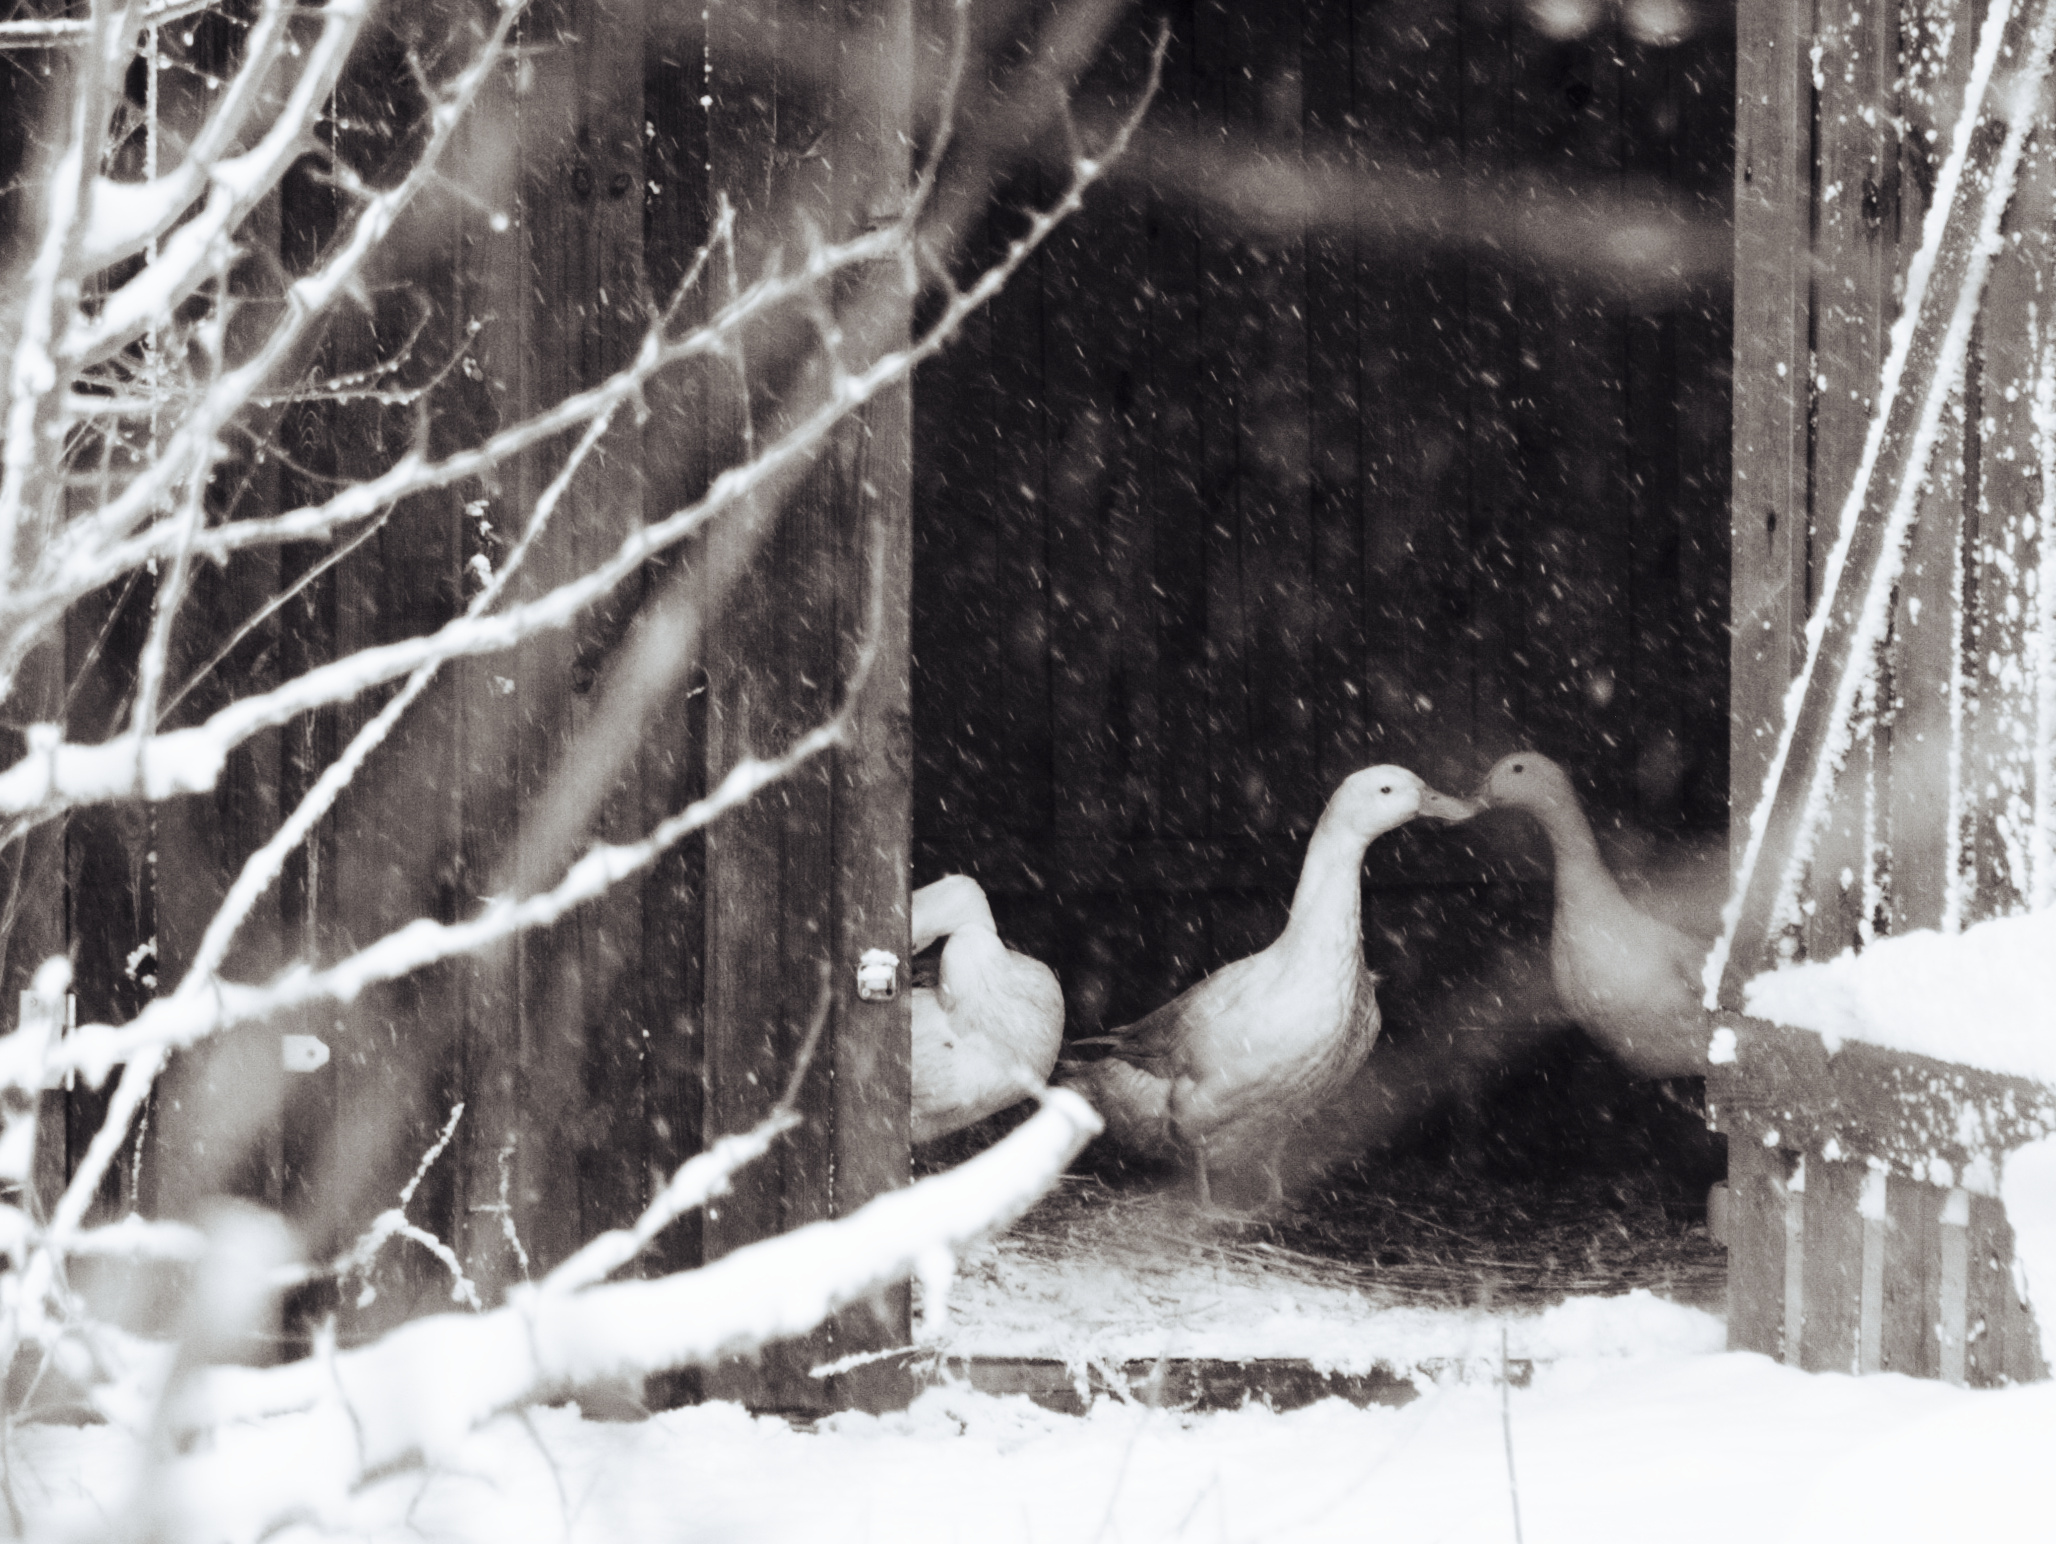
point(1178, 1038)
point(1135, 1103)
point(1633, 981)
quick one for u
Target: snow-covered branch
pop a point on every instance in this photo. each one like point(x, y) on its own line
point(55, 775)
point(149, 361)
point(415, 1394)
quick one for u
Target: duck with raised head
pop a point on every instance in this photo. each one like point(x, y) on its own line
point(1223, 1074)
point(986, 1035)
point(1628, 979)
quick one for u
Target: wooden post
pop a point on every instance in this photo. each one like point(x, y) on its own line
point(1952, 1324)
point(1773, 175)
point(1989, 1301)
point(814, 871)
point(1833, 1270)
point(1756, 1245)
point(553, 1035)
point(1873, 1210)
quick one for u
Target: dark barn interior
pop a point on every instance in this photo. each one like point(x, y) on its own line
point(1378, 412)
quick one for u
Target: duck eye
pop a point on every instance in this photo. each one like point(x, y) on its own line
point(1518, 767)
point(1386, 789)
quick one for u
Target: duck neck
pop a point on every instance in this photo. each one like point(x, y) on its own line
point(1580, 875)
point(1327, 908)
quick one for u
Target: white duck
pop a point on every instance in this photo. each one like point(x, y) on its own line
point(987, 1035)
point(1224, 1073)
point(1627, 978)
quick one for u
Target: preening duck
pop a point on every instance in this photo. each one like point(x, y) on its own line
point(1630, 980)
point(1222, 1074)
point(987, 1034)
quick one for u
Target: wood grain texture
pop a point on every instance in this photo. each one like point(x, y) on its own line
point(1834, 1266)
point(1912, 1279)
point(814, 871)
point(1909, 1112)
point(1771, 503)
point(1756, 1247)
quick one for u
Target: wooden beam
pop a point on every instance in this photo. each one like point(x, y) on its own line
point(1909, 1112)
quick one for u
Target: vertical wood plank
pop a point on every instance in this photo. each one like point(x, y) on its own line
point(1834, 1266)
point(1088, 266)
point(1927, 633)
point(2001, 553)
point(1021, 491)
point(748, 1032)
point(492, 283)
point(1495, 297)
point(1855, 247)
point(1793, 1347)
point(1756, 1246)
point(1912, 1279)
point(356, 1128)
point(1770, 499)
point(553, 1050)
point(1409, 70)
point(814, 870)
point(873, 815)
point(1989, 1311)
point(1339, 415)
point(1952, 1324)
point(1231, 333)
point(675, 456)
point(1873, 1208)
point(1276, 474)
point(1174, 424)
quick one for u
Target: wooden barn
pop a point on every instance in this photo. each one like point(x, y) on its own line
point(1379, 406)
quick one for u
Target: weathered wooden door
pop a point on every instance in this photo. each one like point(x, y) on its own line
point(794, 604)
point(592, 1057)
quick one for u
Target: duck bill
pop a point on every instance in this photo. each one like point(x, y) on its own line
point(1442, 806)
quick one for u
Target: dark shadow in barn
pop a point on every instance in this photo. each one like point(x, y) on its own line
point(1248, 485)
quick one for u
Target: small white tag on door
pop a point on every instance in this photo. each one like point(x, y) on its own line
point(303, 1053)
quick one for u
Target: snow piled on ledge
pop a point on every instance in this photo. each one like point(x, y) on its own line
point(1985, 997)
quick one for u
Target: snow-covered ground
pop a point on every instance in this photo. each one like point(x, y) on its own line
point(1607, 1450)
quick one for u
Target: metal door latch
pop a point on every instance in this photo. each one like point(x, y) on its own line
point(878, 976)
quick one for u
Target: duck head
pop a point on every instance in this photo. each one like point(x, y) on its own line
point(954, 904)
point(1379, 799)
point(1526, 781)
